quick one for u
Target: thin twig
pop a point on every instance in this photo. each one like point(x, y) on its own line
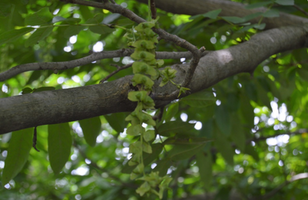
point(300, 9)
point(56, 66)
point(35, 140)
point(116, 71)
point(153, 9)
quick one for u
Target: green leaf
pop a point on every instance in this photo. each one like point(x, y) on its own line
point(247, 111)
point(26, 90)
point(146, 147)
point(72, 30)
point(200, 99)
point(143, 68)
point(18, 152)
point(223, 120)
point(183, 90)
point(250, 150)
point(235, 20)
point(262, 96)
point(211, 14)
point(174, 128)
point(285, 2)
point(271, 13)
point(101, 29)
point(144, 44)
point(12, 35)
point(41, 89)
point(303, 73)
point(184, 151)
point(38, 35)
point(97, 19)
point(238, 133)
point(190, 140)
point(204, 163)
point(91, 128)
point(163, 166)
point(135, 129)
point(149, 135)
point(41, 17)
point(147, 158)
point(142, 80)
point(252, 16)
point(259, 26)
point(59, 145)
point(144, 188)
point(117, 121)
point(223, 146)
point(143, 55)
point(172, 111)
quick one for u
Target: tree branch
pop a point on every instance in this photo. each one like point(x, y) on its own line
point(114, 72)
point(55, 66)
point(57, 106)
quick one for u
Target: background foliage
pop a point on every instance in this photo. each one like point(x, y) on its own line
point(246, 136)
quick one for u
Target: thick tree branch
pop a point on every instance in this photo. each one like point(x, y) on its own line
point(55, 66)
point(229, 8)
point(59, 106)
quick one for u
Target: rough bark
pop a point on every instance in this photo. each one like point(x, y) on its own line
point(59, 106)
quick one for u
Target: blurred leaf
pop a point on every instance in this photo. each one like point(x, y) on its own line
point(65, 20)
point(99, 29)
point(59, 145)
point(222, 118)
point(184, 151)
point(175, 128)
point(26, 90)
point(38, 35)
point(190, 140)
point(262, 96)
point(224, 146)
point(91, 128)
point(285, 2)
point(41, 17)
point(12, 35)
point(204, 163)
point(41, 89)
point(303, 73)
point(235, 20)
point(18, 152)
point(171, 112)
point(200, 99)
point(238, 134)
point(117, 121)
point(148, 158)
point(72, 30)
point(250, 150)
point(271, 13)
point(211, 14)
point(163, 166)
point(247, 111)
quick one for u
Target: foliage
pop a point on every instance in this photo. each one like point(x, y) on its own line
point(245, 135)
